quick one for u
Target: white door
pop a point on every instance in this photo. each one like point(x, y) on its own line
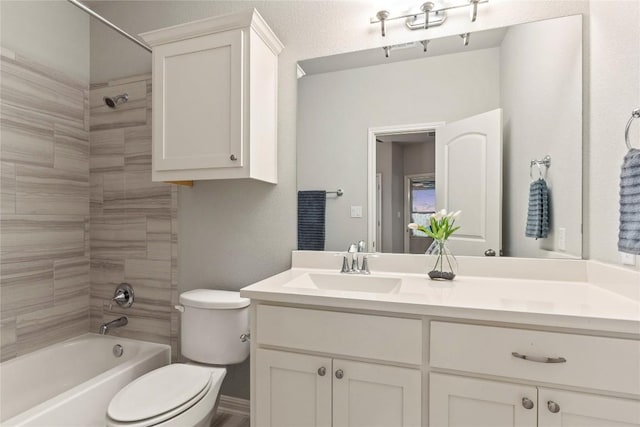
point(370, 395)
point(378, 242)
point(293, 390)
point(463, 402)
point(469, 178)
point(559, 408)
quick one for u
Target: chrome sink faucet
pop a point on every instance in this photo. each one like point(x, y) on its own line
point(117, 323)
point(353, 267)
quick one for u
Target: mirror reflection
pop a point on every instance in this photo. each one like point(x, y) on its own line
point(456, 128)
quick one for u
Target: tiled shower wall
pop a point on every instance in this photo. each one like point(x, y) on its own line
point(133, 220)
point(79, 213)
point(44, 246)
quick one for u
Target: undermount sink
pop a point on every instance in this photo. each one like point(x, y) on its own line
point(345, 282)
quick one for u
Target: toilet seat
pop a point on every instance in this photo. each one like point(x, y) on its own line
point(162, 394)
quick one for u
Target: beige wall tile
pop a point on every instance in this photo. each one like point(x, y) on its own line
point(42, 191)
point(119, 237)
point(25, 287)
point(8, 348)
point(137, 148)
point(7, 188)
point(107, 150)
point(70, 279)
point(71, 152)
point(51, 325)
point(41, 237)
point(26, 138)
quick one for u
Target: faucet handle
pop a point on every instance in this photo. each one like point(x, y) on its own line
point(361, 246)
point(345, 265)
point(352, 248)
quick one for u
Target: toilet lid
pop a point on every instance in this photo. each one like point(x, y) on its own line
point(159, 392)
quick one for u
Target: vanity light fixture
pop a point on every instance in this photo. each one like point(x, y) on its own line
point(430, 15)
point(388, 49)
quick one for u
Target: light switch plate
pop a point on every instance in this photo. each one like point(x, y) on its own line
point(356, 211)
point(627, 259)
point(562, 239)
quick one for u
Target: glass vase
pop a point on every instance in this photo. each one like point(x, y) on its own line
point(440, 261)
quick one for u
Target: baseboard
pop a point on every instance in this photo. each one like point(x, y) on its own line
point(233, 405)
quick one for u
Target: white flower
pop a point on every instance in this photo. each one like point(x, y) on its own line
point(437, 216)
point(450, 215)
point(456, 214)
point(443, 213)
point(413, 226)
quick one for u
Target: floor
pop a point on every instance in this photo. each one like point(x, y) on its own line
point(230, 420)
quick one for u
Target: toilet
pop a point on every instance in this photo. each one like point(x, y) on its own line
point(186, 394)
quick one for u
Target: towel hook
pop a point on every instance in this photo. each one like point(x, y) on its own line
point(546, 161)
point(635, 114)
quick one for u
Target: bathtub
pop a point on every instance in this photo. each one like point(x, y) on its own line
point(71, 383)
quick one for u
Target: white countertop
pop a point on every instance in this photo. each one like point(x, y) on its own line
point(595, 305)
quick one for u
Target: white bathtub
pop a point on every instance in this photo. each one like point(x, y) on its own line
point(72, 383)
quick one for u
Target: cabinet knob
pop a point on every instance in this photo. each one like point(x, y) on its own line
point(527, 403)
point(339, 374)
point(322, 371)
point(489, 252)
point(233, 157)
point(553, 407)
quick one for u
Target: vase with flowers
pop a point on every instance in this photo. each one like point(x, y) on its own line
point(441, 260)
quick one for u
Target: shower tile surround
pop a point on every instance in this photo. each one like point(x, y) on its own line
point(79, 211)
point(133, 222)
point(44, 252)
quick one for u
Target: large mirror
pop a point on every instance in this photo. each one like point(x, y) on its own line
point(460, 127)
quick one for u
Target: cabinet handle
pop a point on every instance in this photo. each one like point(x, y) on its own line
point(339, 374)
point(527, 403)
point(322, 371)
point(539, 359)
point(233, 157)
point(553, 407)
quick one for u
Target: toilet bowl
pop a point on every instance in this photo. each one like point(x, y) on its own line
point(186, 394)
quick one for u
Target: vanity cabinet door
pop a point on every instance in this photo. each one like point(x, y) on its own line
point(370, 395)
point(462, 402)
point(559, 408)
point(293, 390)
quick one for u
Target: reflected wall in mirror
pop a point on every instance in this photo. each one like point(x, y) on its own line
point(462, 122)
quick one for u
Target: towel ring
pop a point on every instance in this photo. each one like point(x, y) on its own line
point(635, 114)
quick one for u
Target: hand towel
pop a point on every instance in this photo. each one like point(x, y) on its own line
point(629, 235)
point(311, 219)
point(538, 214)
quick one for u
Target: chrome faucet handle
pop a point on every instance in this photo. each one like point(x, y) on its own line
point(345, 265)
point(361, 246)
point(365, 265)
point(354, 263)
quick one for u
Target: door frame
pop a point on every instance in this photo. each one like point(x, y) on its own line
point(372, 134)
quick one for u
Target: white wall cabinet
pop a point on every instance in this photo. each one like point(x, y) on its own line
point(304, 390)
point(215, 99)
point(456, 401)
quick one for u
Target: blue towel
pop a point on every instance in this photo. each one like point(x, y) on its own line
point(311, 218)
point(629, 235)
point(538, 214)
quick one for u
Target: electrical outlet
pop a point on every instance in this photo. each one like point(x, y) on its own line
point(627, 259)
point(356, 211)
point(562, 239)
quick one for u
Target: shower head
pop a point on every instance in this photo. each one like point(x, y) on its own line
point(113, 101)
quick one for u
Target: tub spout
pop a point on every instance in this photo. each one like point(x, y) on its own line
point(119, 322)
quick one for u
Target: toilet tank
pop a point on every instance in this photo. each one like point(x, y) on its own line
point(212, 322)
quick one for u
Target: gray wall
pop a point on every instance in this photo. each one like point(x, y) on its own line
point(530, 79)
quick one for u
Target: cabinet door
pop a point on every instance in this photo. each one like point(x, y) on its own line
point(292, 390)
point(370, 395)
point(559, 408)
point(463, 402)
point(197, 103)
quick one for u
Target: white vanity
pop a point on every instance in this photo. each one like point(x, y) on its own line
point(517, 342)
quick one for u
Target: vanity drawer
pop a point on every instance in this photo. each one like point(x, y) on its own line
point(594, 362)
point(357, 335)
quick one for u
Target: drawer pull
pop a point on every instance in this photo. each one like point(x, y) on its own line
point(539, 359)
point(527, 403)
point(553, 407)
point(322, 371)
point(339, 374)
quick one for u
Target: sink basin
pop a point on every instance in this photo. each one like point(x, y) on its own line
point(347, 283)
